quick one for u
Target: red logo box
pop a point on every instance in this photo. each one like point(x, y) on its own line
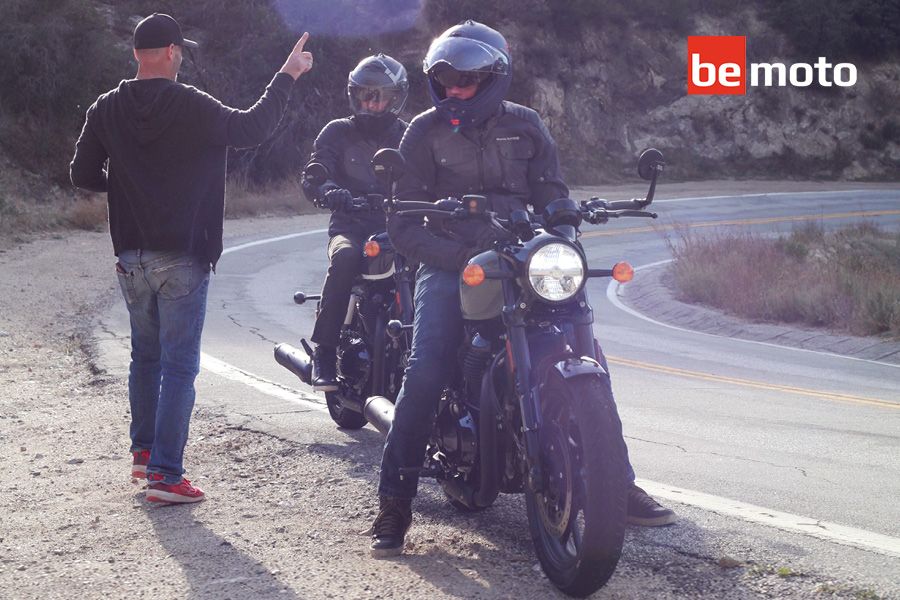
point(717, 64)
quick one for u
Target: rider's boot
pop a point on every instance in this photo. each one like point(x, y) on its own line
point(389, 530)
point(644, 510)
point(324, 369)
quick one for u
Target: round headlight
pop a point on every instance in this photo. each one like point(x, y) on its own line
point(556, 272)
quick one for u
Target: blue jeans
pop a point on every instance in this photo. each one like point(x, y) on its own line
point(437, 333)
point(166, 296)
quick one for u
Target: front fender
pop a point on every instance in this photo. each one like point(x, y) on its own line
point(576, 366)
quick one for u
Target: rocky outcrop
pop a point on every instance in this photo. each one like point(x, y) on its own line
point(607, 95)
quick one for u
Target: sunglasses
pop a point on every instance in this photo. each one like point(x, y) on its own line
point(450, 78)
point(370, 94)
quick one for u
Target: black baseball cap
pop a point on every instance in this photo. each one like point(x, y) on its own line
point(159, 31)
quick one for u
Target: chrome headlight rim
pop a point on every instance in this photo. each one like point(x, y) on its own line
point(534, 254)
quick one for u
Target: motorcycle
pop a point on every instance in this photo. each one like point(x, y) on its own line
point(376, 336)
point(531, 410)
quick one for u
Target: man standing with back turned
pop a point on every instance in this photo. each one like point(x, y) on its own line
point(158, 149)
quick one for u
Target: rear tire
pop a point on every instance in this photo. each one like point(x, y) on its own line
point(578, 522)
point(344, 417)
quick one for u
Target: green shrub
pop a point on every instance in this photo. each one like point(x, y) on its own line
point(838, 29)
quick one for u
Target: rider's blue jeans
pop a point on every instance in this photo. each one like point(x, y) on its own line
point(437, 332)
point(166, 297)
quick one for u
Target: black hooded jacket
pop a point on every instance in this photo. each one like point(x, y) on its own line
point(346, 147)
point(165, 144)
point(511, 159)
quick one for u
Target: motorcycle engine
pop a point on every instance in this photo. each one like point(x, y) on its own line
point(457, 436)
point(354, 362)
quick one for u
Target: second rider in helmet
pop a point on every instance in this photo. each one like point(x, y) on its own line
point(377, 89)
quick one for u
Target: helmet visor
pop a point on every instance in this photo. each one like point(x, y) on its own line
point(450, 77)
point(371, 100)
point(465, 54)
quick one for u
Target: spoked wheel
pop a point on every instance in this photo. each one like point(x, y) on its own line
point(344, 417)
point(577, 520)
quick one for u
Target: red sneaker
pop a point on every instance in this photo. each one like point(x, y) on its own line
point(139, 464)
point(183, 492)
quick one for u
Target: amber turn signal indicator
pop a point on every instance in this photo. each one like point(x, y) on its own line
point(622, 272)
point(372, 249)
point(473, 275)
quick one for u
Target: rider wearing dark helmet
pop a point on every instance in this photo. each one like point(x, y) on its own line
point(471, 142)
point(377, 89)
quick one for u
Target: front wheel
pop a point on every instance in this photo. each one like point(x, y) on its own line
point(344, 417)
point(577, 520)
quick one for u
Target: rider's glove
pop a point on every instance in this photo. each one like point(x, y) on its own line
point(339, 199)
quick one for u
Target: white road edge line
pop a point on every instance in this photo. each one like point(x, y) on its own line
point(280, 238)
point(228, 371)
point(270, 388)
point(614, 289)
point(848, 536)
point(831, 532)
point(766, 195)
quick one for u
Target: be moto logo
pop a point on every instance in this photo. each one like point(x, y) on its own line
point(718, 65)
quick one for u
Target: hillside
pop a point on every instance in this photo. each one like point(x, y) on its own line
point(608, 77)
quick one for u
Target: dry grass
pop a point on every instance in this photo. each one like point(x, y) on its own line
point(28, 208)
point(847, 280)
point(89, 214)
point(59, 211)
point(282, 198)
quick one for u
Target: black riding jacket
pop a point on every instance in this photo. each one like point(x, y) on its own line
point(511, 159)
point(346, 149)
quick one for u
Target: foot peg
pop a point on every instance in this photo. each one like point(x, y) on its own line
point(396, 328)
point(300, 297)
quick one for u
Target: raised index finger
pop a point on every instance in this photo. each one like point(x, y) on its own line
point(301, 42)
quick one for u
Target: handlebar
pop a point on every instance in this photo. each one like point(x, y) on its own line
point(593, 211)
point(369, 202)
point(633, 204)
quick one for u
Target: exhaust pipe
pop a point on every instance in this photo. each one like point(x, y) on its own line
point(379, 412)
point(295, 360)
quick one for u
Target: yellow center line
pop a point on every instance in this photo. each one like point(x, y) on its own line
point(758, 221)
point(750, 383)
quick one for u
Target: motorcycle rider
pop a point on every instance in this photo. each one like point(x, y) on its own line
point(377, 90)
point(471, 142)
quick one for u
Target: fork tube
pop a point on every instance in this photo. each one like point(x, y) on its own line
point(405, 281)
point(529, 403)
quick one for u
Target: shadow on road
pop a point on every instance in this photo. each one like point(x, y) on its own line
point(213, 567)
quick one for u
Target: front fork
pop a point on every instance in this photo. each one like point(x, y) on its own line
point(514, 311)
point(528, 392)
point(405, 280)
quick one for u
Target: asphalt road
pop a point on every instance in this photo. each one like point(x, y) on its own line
point(805, 433)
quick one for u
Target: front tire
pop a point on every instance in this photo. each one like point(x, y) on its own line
point(578, 521)
point(344, 417)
